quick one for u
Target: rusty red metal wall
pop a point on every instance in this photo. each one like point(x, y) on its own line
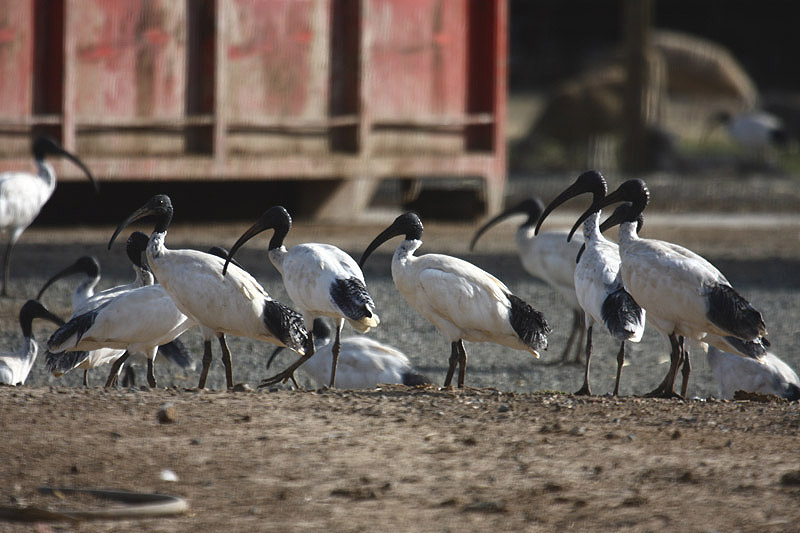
point(255, 89)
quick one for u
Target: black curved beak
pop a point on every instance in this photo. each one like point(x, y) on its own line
point(590, 181)
point(622, 214)
point(407, 224)
point(222, 253)
point(277, 218)
point(516, 210)
point(251, 232)
point(33, 309)
point(597, 205)
point(80, 165)
point(144, 211)
point(78, 267)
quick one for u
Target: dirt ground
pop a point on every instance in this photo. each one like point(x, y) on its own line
point(405, 459)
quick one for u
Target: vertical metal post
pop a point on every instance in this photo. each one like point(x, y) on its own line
point(638, 16)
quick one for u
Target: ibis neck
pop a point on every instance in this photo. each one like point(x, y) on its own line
point(627, 233)
point(46, 172)
point(155, 247)
point(591, 227)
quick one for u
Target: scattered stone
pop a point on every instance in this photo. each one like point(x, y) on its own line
point(242, 387)
point(167, 414)
point(504, 408)
point(676, 434)
point(168, 475)
point(486, 506)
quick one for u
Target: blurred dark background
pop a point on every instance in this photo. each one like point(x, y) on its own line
point(549, 39)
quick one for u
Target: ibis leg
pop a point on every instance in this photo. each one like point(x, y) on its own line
point(226, 360)
point(337, 346)
point(86, 377)
point(620, 363)
point(129, 377)
point(7, 259)
point(206, 364)
point(667, 387)
point(289, 372)
point(151, 375)
point(114, 374)
point(462, 364)
point(454, 356)
point(687, 368)
point(575, 334)
point(585, 390)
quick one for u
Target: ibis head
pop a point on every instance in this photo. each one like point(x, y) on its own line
point(276, 218)
point(407, 224)
point(590, 181)
point(44, 146)
point(634, 191)
point(159, 206)
point(623, 214)
point(33, 309)
point(532, 207)
point(86, 265)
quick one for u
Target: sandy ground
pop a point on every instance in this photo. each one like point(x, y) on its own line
point(405, 459)
point(413, 459)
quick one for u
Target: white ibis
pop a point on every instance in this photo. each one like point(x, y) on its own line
point(462, 301)
point(15, 366)
point(137, 321)
point(770, 375)
point(598, 284)
point(84, 299)
point(549, 257)
point(685, 296)
point(364, 363)
point(235, 304)
point(321, 280)
point(755, 130)
point(23, 194)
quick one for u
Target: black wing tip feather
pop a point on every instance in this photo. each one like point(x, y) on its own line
point(730, 311)
point(78, 325)
point(621, 314)
point(285, 324)
point(352, 298)
point(63, 362)
point(529, 324)
point(753, 349)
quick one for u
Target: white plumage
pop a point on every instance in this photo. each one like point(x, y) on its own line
point(364, 363)
point(22, 195)
point(235, 304)
point(462, 301)
point(85, 300)
point(770, 375)
point(548, 256)
point(685, 296)
point(755, 130)
point(15, 366)
point(137, 322)
point(598, 284)
point(321, 280)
